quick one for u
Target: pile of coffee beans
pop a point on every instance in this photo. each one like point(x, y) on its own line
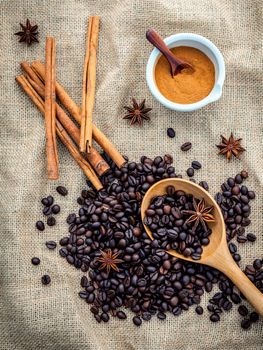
point(147, 280)
point(167, 218)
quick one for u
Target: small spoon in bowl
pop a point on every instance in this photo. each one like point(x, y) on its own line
point(176, 64)
point(216, 253)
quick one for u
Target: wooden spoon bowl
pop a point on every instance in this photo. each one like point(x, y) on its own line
point(216, 254)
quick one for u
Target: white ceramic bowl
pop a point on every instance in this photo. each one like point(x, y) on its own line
point(207, 47)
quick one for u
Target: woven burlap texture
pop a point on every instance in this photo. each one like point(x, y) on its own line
point(54, 317)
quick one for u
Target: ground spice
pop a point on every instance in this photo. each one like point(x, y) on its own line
point(188, 86)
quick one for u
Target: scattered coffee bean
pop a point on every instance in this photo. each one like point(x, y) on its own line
point(186, 146)
point(55, 209)
point(253, 317)
point(35, 261)
point(190, 172)
point(171, 132)
point(62, 190)
point(47, 211)
point(245, 324)
point(51, 244)
point(121, 315)
point(257, 264)
point(251, 237)
point(204, 184)
point(243, 311)
point(51, 221)
point(196, 165)
point(214, 318)
point(137, 320)
point(199, 310)
point(45, 279)
point(40, 225)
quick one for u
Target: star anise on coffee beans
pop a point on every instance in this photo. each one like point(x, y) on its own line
point(28, 34)
point(229, 147)
point(109, 260)
point(137, 113)
point(200, 214)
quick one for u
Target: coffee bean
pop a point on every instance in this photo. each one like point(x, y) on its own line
point(251, 237)
point(35, 261)
point(244, 174)
point(243, 311)
point(51, 221)
point(257, 264)
point(45, 201)
point(214, 318)
point(55, 209)
point(171, 132)
point(186, 146)
point(196, 165)
point(40, 225)
point(190, 172)
point(245, 324)
point(199, 310)
point(121, 315)
point(253, 317)
point(45, 279)
point(204, 184)
point(238, 179)
point(137, 320)
point(51, 244)
point(47, 211)
point(62, 190)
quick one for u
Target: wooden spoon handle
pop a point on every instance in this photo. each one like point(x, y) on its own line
point(246, 287)
point(154, 38)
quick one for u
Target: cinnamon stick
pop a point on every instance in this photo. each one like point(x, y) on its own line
point(94, 158)
point(89, 83)
point(50, 111)
point(63, 135)
point(74, 110)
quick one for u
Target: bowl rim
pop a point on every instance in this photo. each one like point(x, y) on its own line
point(216, 92)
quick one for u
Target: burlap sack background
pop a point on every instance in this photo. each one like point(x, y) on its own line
point(54, 317)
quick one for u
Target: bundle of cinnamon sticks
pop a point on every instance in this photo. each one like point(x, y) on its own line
point(40, 85)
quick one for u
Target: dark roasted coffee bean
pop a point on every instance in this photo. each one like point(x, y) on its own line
point(45, 202)
point(121, 315)
point(245, 324)
point(243, 311)
point(238, 179)
point(62, 190)
point(214, 318)
point(137, 320)
point(257, 264)
point(199, 310)
point(254, 317)
point(105, 317)
point(204, 184)
point(63, 252)
point(51, 221)
point(196, 165)
point(35, 261)
point(51, 244)
point(251, 237)
point(45, 279)
point(186, 146)
point(47, 211)
point(171, 132)
point(40, 225)
point(55, 209)
point(190, 172)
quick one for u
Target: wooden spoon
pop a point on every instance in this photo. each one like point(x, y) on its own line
point(176, 64)
point(216, 253)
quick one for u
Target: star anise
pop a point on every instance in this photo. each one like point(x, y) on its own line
point(28, 34)
point(109, 260)
point(137, 112)
point(200, 214)
point(230, 147)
